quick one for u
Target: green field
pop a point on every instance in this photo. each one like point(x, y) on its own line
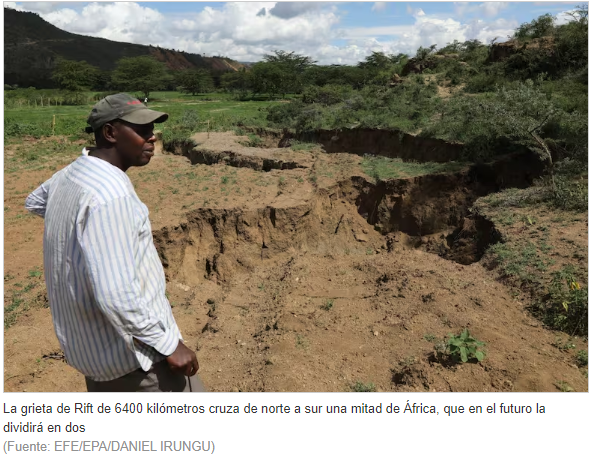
point(218, 108)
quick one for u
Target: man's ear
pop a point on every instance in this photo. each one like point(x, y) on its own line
point(110, 133)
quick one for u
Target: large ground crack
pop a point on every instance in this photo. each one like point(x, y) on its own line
point(429, 212)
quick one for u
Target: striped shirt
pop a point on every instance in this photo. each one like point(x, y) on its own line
point(105, 281)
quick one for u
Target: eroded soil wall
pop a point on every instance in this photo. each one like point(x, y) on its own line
point(433, 211)
point(387, 143)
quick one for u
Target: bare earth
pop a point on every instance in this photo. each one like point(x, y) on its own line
point(281, 284)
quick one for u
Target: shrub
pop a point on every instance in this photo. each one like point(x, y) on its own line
point(361, 387)
point(464, 347)
point(582, 358)
point(326, 95)
point(566, 305)
point(284, 114)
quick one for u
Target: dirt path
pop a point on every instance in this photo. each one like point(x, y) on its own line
point(293, 271)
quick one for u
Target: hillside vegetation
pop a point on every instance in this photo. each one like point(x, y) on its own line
point(32, 47)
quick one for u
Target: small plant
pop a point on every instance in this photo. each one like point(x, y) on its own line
point(563, 386)
point(360, 387)
point(582, 358)
point(464, 347)
point(254, 141)
point(429, 337)
point(327, 305)
point(428, 297)
point(301, 341)
point(562, 345)
point(28, 287)
point(35, 273)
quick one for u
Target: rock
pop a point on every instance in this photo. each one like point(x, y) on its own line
point(361, 237)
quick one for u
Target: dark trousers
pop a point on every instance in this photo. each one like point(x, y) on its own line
point(160, 378)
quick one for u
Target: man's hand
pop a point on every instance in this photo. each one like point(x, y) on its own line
point(183, 360)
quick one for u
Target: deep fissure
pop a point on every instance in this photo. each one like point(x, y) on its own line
point(428, 212)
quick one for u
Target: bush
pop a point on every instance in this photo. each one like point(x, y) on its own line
point(284, 114)
point(181, 130)
point(13, 128)
point(566, 307)
point(571, 194)
point(327, 95)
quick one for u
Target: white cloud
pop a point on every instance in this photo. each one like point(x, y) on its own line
point(359, 32)
point(493, 8)
point(245, 31)
point(428, 30)
point(379, 6)
point(288, 10)
point(13, 6)
point(565, 17)
point(489, 9)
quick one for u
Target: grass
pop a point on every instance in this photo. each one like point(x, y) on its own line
point(360, 387)
point(536, 259)
point(302, 342)
point(327, 305)
point(563, 386)
point(254, 141)
point(522, 262)
point(383, 168)
point(221, 112)
point(35, 273)
point(296, 145)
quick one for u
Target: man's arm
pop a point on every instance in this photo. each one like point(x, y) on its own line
point(109, 239)
point(37, 201)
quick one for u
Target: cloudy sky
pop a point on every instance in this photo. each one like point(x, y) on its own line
point(329, 32)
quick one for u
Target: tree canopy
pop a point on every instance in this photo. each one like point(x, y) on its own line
point(144, 74)
point(75, 76)
point(194, 81)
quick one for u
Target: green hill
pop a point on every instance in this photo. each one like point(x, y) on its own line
point(32, 45)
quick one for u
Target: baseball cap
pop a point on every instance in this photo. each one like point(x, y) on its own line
point(124, 107)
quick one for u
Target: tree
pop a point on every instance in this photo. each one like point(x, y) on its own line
point(75, 76)
point(290, 68)
point(378, 68)
point(270, 78)
point(571, 43)
point(239, 81)
point(195, 81)
point(377, 61)
point(540, 27)
point(292, 61)
point(144, 74)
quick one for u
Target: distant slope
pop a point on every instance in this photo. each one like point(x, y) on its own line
point(32, 45)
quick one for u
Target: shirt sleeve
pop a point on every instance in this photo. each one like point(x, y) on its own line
point(109, 241)
point(36, 202)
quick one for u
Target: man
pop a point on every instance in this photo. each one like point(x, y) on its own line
point(105, 281)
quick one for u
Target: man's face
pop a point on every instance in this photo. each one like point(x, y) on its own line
point(135, 143)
